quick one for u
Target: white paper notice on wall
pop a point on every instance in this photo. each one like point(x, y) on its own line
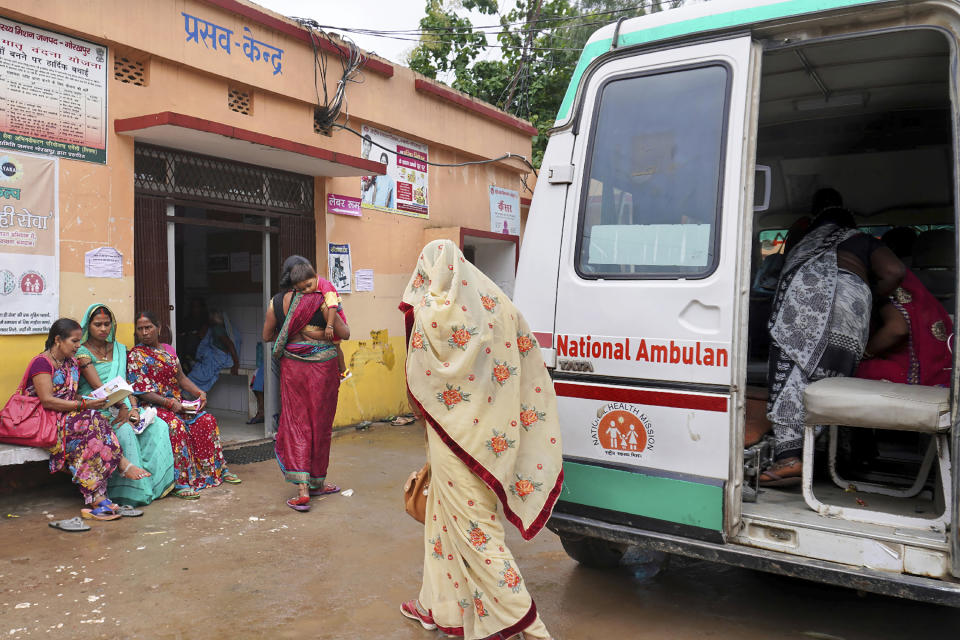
point(364, 279)
point(105, 262)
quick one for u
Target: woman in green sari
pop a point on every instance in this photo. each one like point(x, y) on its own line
point(146, 471)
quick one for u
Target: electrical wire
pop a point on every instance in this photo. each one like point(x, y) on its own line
point(328, 110)
point(466, 163)
point(495, 46)
point(497, 26)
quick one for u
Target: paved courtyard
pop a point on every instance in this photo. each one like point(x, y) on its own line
point(239, 564)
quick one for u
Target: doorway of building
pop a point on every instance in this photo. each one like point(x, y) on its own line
point(220, 284)
point(495, 254)
point(209, 238)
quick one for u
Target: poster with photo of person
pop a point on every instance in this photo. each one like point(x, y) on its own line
point(403, 188)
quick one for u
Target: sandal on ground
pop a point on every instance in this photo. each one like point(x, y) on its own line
point(231, 478)
point(328, 489)
point(128, 511)
point(102, 512)
point(255, 420)
point(185, 494)
point(300, 503)
point(784, 473)
point(410, 610)
point(71, 524)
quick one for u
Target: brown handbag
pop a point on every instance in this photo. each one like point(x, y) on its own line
point(415, 493)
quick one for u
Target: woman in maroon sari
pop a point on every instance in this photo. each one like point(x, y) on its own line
point(910, 343)
point(309, 379)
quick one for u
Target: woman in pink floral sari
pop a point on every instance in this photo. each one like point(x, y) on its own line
point(476, 375)
point(86, 445)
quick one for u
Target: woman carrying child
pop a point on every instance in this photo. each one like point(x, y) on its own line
point(302, 327)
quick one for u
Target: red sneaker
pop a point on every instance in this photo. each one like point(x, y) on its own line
point(410, 610)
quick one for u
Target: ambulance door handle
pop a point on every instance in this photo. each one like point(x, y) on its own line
point(697, 317)
point(560, 174)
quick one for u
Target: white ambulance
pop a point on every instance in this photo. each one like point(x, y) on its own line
point(688, 142)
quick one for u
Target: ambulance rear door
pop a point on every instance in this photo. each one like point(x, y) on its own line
point(646, 294)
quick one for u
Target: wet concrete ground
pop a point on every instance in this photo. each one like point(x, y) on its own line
point(239, 564)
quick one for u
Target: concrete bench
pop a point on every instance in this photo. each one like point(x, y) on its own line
point(11, 454)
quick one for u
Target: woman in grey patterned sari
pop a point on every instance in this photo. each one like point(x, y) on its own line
point(820, 323)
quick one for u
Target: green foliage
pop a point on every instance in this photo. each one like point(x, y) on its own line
point(540, 43)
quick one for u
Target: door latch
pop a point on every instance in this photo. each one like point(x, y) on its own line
point(560, 174)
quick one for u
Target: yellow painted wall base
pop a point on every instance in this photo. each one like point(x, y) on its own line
point(17, 351)
point(378, 388)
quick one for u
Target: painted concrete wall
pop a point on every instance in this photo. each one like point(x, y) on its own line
point(96, 201)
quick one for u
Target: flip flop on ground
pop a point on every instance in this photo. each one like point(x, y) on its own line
point(300, 503)
point(128, 511)
point(71, 524)
point(101, 512)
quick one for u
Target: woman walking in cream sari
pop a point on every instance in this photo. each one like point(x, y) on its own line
point(475, 373)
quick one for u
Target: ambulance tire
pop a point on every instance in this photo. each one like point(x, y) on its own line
point(592, 552)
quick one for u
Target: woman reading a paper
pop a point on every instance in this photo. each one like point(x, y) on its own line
point(153, 370)
point(145, 472)
point(86, 446)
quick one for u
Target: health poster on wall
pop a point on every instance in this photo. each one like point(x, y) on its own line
point(53, 93)
point(338, 266)
point(29, 244)
point(504, 211)
point(403, 189)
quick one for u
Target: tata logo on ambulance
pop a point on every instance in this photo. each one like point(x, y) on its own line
point(622, 430)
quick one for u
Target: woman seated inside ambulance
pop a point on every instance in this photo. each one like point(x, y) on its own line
point(820, 323)
point(909, 338)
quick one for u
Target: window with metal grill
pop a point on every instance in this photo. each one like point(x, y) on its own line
point(129, 70)
point(173, 173)
point(240, 100)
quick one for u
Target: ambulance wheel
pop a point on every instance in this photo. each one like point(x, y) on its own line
point(592, 552)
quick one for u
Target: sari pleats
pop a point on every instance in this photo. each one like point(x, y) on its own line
point(471, 583)
point(308, 395)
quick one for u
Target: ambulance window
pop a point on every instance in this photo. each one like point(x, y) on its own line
point(650, 204)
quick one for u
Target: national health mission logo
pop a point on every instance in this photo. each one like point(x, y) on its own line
point(623, 430)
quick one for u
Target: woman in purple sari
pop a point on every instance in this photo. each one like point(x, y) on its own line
point(86, 446)
point(309, 379)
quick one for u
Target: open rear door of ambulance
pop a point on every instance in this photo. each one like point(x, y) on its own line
point(647, 299)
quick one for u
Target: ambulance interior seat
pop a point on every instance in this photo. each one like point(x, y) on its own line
point(934, 264)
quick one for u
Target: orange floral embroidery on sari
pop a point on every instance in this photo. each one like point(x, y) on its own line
point(452, 396)
point(523, 487)
point(461, 336)
point(499, 443)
